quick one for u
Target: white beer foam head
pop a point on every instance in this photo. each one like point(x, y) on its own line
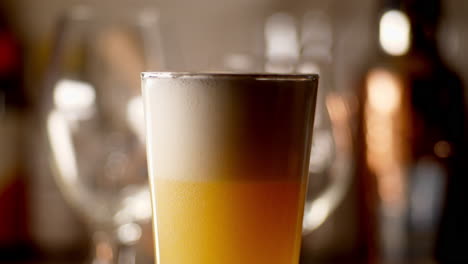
point(221, 128)
point(188, 128)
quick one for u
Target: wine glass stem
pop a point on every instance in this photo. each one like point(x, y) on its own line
point(111, 251)
point(126, 254)
point(104, 248)
point(128, 236)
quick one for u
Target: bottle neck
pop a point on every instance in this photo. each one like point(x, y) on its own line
point(423, 38)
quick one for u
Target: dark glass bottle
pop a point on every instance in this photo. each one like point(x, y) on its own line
point(411, 126)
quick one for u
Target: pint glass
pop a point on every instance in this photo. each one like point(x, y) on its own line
point(228, 158)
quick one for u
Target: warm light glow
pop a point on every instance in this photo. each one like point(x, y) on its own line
point(71, 94)
point(129, 233)
point(383, 123)
point(442, 149)
point(383, 91)
point(339, 113)
point(394, 34)
point(104, 252)
point(281, 37)
point(380, 136)
point(391, 187)
point(74, 97)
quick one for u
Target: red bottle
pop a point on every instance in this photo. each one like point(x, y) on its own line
point(13, 217)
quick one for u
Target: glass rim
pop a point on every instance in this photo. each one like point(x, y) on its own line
point(232, 75)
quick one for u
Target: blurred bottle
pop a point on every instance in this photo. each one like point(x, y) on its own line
point(13, 217)
point(410, 133)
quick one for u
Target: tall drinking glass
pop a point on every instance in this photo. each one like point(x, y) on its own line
point(228, 157)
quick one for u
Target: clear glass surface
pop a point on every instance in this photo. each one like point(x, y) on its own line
point(279, 43)
point(228, 158)
point(93, 118)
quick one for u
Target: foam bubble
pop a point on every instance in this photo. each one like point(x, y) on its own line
point(227, 128)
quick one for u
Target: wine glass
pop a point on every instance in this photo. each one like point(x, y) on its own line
point(305, 45)
point(93, 118)
point(284, 44)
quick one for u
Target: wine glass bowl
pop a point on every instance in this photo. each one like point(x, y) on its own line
point(93, 116)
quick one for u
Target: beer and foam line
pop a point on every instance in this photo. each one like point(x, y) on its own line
point(227, 161)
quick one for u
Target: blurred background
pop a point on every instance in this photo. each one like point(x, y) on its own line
point(389, 134)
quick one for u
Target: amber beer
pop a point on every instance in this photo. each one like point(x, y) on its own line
point(228, 158)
